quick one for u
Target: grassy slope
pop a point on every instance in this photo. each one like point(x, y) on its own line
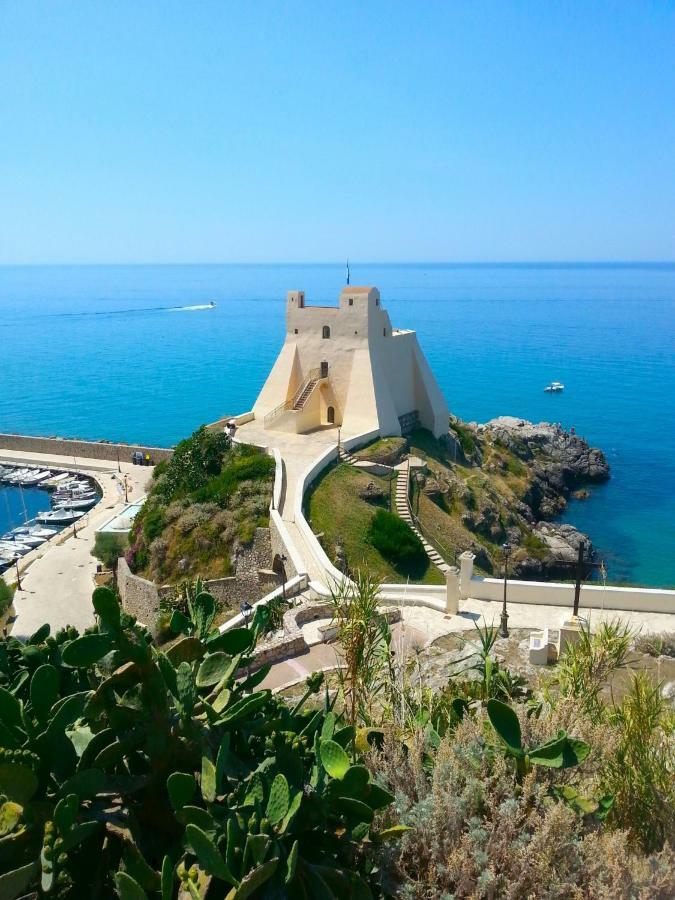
point(336, 510)
point(194, 534)
point(502, 480)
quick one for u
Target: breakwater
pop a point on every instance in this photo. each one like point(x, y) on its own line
point(72, 447)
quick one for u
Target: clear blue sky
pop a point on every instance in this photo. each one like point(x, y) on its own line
point(309, 131)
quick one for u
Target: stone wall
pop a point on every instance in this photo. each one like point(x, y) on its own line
point(55, 446)
point(254, 578)
point(139, 596)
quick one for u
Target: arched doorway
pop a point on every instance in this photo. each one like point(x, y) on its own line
point(324, 370)
point(330, 415)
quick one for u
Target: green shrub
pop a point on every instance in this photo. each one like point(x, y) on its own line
point(109, 547)
point(465, 438)
point(154, 521)
point(127, 771)
point(6, 594)
point(394, 538)
point(253, 465)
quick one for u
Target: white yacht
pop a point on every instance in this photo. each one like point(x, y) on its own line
point(60, 516)
point(77, 503)
point(555, 387)
point(35, 478)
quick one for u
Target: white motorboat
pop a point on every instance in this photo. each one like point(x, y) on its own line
point(555, 387)
point(60, 516)
point(15, 547)
point(16, 476)
point(36, 530)
point(35, 478)
point(57, 479)
point(77, 503)
point(33, 537)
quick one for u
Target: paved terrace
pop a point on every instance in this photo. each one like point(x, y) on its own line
point(421, 626)
point(57, 579)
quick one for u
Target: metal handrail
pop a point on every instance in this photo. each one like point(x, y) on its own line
point(313, 375)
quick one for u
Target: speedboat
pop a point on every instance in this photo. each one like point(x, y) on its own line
point(16, 476)
point(60, 516)
point(57, 479)
point(555, 387)
point(35, 478)
point(34, 536)
point(77, 503)
point(15, 547)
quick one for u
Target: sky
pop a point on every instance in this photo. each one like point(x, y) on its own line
point(173, 132)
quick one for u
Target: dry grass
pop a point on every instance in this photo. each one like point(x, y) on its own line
point(474, 834)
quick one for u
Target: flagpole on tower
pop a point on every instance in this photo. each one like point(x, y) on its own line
point(347, 271)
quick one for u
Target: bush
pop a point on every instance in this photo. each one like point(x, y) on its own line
point(109, 547)
point(656, 644)
point(473, 834)
point(6, 594)
point(254, 465)
point(173, 775)
point(394, 538)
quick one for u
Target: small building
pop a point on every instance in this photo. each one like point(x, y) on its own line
point(346, 366)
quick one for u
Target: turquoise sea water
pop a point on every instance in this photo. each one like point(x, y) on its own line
point(98, 351)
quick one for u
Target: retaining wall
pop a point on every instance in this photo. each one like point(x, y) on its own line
point(56, 446)
point(254, 577)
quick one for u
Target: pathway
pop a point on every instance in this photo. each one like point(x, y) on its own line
point(57, 579)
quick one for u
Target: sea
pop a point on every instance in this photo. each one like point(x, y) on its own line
point(134, 353)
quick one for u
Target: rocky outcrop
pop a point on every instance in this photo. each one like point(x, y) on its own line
point(552, 464)
point(559, 461)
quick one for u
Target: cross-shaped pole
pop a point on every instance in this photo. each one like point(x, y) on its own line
point(583, 568)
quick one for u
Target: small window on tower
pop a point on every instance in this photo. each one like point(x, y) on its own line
point(351, 301)
point(377, 301)
point(384, 332)
point(326, 331)
point(296, 330)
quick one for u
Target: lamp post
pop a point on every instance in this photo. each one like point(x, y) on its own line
point(283, 559)
point(419, 478)
point(246, 611)
point(18, 575)
point(504, 620)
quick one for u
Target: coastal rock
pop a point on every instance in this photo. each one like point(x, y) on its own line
point(372, 493)
point(434, 490)
point(559, 461)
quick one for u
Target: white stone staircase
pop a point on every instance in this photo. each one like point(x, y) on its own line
point(402, 503)
point(346, 457)
point(304, 396)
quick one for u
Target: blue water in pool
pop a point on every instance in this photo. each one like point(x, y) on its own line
point(101, 351)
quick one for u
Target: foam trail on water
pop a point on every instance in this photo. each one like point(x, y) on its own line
point(190, 308)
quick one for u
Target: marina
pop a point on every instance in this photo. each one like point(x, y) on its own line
point(36, 504)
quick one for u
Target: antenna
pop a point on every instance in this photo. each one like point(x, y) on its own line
point(347, 271)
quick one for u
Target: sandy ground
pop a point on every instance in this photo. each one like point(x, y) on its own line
point(57, 579)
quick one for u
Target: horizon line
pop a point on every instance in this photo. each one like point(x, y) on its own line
point(423, 262)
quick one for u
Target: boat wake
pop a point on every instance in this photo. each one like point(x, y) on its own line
point(191, 308)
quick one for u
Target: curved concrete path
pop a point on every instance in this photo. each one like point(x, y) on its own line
point(57, 579)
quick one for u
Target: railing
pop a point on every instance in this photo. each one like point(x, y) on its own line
point(273, 414)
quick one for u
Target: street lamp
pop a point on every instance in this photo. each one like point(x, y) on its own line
point(504, 620)
point(283, 559)
point(419, 479)
point(18, 574)
point(246, 611)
